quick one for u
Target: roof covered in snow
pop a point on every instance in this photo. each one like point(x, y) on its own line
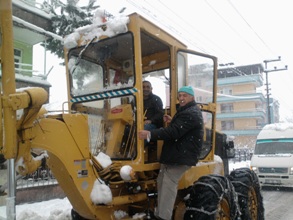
point(276, 131)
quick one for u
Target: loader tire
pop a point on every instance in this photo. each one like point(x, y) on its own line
point(76, 216)
point(2, 159)
point(247, 187)
point(211, 197)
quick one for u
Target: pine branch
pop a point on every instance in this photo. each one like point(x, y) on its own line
point(66, 18)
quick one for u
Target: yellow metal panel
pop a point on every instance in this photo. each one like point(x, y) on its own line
point(77, 125)
point(8, 77)
point(73, 171)
point(201, 169)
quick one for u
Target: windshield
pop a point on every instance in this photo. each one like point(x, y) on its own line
point(196, 71)
point(102, 66)
point(112, 126)
point(160, 81)
point(274, 147)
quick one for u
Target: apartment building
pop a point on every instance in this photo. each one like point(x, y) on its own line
point(242, 106)
point(28, 22)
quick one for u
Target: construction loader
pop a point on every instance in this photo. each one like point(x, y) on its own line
point(92, 146)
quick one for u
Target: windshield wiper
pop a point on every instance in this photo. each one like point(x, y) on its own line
point(80, 55)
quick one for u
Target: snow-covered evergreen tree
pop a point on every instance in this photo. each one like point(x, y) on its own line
point(66, 18)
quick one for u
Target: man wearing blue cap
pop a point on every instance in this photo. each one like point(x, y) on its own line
point(183, 139)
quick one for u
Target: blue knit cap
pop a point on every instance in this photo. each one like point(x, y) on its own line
point(187, 89)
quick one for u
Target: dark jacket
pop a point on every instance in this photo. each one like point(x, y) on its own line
point(153, 106)
point(183, 137)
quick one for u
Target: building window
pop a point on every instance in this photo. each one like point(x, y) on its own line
point(259, 123)
point(227, 107)
point(17, 59)
point(259, 107)
point(226, 91)
point(227, 125)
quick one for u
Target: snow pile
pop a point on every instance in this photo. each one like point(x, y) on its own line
point(57, 209)
point(278, 126)
point(127, 173)
point(277, 130)
point(100, 27)
point(20, 165)
point(104, 159)
point(218, 168)
point(58, 214)
point(139, 216)
point(101, 193)
point(237, 165)
point(119, 214)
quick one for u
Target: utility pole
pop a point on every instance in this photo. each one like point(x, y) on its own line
point(267, 84)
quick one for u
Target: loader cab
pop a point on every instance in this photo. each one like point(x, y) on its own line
point(105, 83)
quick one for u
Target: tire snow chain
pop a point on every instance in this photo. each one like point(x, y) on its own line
point(215, 191)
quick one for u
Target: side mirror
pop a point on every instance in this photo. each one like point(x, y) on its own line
point(230, 153)
point(230, 150)
point(230, 145)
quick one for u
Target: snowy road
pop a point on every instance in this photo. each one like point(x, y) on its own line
point(278, 203)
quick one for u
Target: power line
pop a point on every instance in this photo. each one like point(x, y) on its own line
point(170, 27)
point(167, 25)
point(250, 27)
point(173, 29)
point(233, 29)
point(192, 27)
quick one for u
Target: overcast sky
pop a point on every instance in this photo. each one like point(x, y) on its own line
point(238, 31)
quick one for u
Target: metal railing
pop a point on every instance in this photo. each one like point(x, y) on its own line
point(28, 70)
point(41, 177)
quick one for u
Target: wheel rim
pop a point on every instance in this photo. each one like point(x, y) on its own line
point(252, 203)
point(223, 210)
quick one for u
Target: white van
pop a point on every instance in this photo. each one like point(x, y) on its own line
point(272, 160)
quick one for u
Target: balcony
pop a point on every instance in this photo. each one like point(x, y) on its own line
point(255, 113)
point(26, 76)
point(243, 132)
point(241, 98)
point(257, 79)
point(29, 20)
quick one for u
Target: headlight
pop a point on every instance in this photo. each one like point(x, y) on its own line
point(291, 171)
